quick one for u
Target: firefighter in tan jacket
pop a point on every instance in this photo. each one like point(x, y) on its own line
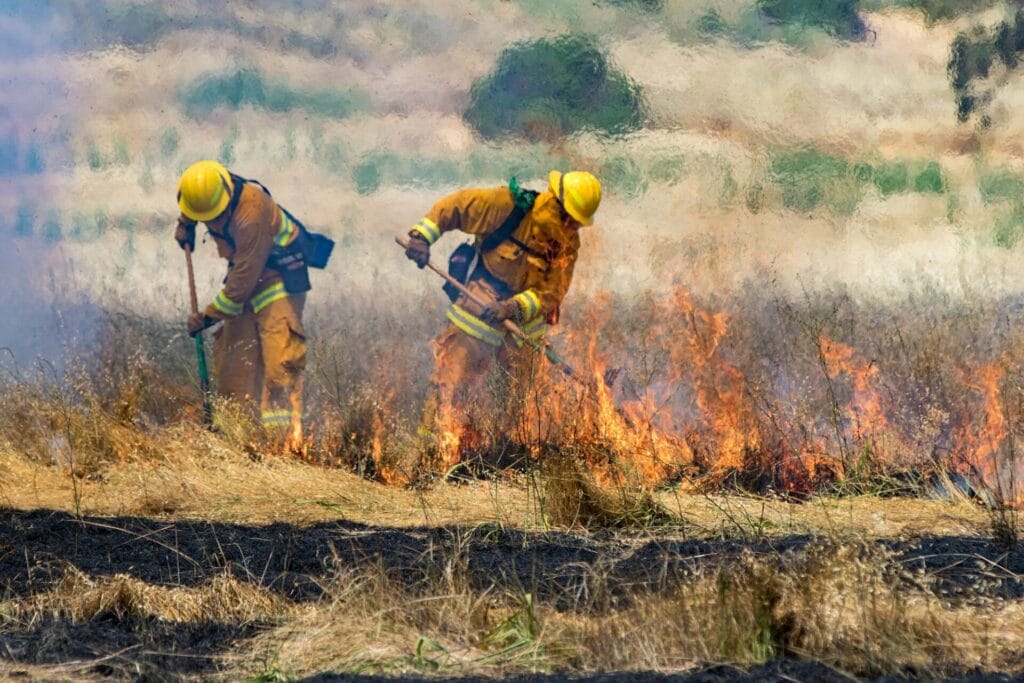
point(260, 352)
point(523, 278)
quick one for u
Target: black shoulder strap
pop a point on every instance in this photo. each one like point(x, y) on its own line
point(523, 203)
point(505, 231)
point(237, 182)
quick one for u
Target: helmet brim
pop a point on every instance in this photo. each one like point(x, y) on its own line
point(578, 217)
point(215, 211)
point(554, 180)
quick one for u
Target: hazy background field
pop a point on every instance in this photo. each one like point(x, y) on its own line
point(739, 173)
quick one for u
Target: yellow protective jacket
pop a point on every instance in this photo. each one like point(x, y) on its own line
point(539, 279)
point(245, 239)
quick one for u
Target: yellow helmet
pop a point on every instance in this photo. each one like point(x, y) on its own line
point(578, 191)
point(204, 190)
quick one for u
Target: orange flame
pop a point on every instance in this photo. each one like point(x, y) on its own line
point(865, 410)
point(998, 471)
point(719, 385)
point(295, 444)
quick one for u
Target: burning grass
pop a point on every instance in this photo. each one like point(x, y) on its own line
point(764, 395)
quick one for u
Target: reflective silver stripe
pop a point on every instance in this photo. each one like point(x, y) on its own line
point(287, 230)
point(473, 326)
point(529, 302)
point(225, 305)
point(274, 292)
point(428, 229)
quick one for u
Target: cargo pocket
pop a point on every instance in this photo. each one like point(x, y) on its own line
point(284, 350)
point(296, 348)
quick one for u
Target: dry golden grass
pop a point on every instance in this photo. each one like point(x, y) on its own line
point(841, 605)
point(197, 476)
point(79, 598)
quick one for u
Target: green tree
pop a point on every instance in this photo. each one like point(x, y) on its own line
point(549, 88)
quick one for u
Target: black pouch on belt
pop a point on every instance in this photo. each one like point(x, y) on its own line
point(290, 262)
point(460, 264)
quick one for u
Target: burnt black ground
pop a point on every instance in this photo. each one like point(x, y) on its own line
point(297, 561)
point(776, 671)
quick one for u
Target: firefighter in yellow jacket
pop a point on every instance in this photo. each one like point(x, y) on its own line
point(260, 352)
point(527, 245)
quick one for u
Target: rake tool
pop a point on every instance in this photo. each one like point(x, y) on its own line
point(517, 332)
point(204, 374)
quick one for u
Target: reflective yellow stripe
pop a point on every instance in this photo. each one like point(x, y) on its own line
point(529, 302)
point(428, 228)
point(474, 326)
point(534, 329)
point(274, 292)
point(276, 418)
point(287, 232)
point(225, 305)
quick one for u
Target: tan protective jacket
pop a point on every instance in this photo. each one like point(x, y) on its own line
point(539, 279)
point(256, 225)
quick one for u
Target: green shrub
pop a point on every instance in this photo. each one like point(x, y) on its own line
point(34, 162)
point(623, 176)
point(650, 6)
point(51, 232)
point(24, 223)
point(971, 58)
point(1009, 228)
point(809, 177)
point(146, 180)
point(122, 156)
point(133, 25)
point(837, 17)
point(333, 157)
point(549, 88)
point(247, 87)
point(226, 153)
point(9, 154)
point(1006, 188)
point(929, 179)
point(169, 141)
point(366, 175)
point(891, 178)
point(711, 24)
point(18, 157)
point(94, 157)
point(667, 170)
point(1001, 186)
point(101, 222)
point(96, 24)
point(944, 10)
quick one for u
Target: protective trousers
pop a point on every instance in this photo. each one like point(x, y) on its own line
point(460, 394)
point(264, 354)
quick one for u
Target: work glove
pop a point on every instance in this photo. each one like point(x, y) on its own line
point(418, 250)
point(185, 233)
point(499, 311)
point(197, 322)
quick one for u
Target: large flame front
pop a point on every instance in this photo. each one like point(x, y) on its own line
point(682, 406)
